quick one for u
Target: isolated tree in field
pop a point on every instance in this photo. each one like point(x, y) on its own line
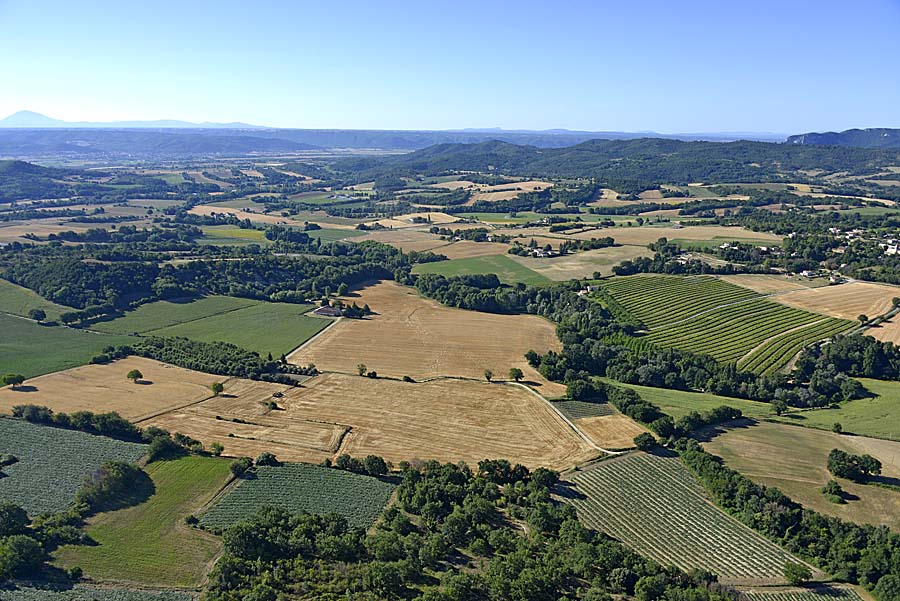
point(837, 428)
point(37, 314)
point(13, 380)
point(343, 289)
point(779, 406)
point(216, 449)
point(488, 375)
point(863, 318)
point(645, 441)
point(361, 369)
point(515, 374)
point(217, 388)
point(796, 573)
point(134, 375)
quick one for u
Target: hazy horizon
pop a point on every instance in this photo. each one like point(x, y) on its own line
point(650, 66)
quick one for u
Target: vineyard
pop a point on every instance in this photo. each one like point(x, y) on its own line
point(829, 593)
point(300, 487)
point(53, 463)
point(579, 409)
point(769, 358)
point(83, 593)
point(732, 324)
point(653, 504)
point(657, 300)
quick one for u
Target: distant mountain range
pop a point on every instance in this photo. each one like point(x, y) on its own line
point(876, 137)
point(32, 120)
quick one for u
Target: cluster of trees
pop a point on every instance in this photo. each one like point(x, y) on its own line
point(215, 358)
point(372, 465)
point(854, 355)
point(852, 467)
point(25, 546)
point(861, 554)
point(443, 509)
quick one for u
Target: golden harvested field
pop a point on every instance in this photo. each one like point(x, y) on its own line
point(15, 231)
point(252, 216)
point(465, 249)
point(610, 431)
point(104, 388)
point(794, 459)
point(481, 192)
point(845, 300)
point(202, 179)
point(419, 337)
point(445, 419)
point(405, 238)
point(765, 284)
point(437, 218)
point(583, 264)
point(887, 331)
point(646, 235)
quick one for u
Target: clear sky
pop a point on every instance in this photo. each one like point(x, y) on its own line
point(784, 66)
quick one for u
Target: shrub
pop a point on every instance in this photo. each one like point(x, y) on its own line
point(240, 466)
point(645, 441)
point(267, 458)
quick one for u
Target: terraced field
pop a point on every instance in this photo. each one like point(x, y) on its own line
point(731, 323)
point(301, 487)
point(653, 504)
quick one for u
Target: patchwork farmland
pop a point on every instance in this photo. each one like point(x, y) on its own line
point(731, 323)
point(653, 504)
point(298, 487)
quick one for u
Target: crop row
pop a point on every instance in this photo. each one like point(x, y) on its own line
point(654, 505)
point(299, 487)
point(658, 300)
point(730, 332)
point(772, 357)
point(579, 409)
point(53, 463)
point(831, 593)
point(83, 593)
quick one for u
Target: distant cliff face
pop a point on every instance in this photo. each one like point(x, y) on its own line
point(864, 138)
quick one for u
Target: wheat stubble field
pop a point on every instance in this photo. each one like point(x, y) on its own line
point(421, 338)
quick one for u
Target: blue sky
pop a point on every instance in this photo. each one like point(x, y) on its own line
point(787, 66)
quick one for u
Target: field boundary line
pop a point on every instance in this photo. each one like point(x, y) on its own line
point(150, 332)
point(313, 339)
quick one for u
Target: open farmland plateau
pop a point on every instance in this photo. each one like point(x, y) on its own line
point(653, 504)
point(298, 487)
point(53, 463)
point(794, 460)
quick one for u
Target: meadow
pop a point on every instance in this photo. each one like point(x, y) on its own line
point(299, 487)
point(794, 460)
point(276, 328)
point(20, 301)
point(508, 270)
point(53, 463)
point(165, 313)
point(150, 543)
point(31, 350)
point(678, 403)
point(652, 504)
point(877, 417)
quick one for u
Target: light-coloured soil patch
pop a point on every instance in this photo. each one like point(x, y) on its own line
point(414, 336)
point(583, 264)
point(437, 218)
point(610, 431)
point(255, 217)
point(765, 284)
point(104, 388)
point(465, 249)
point(845, 300)
point(202, 179)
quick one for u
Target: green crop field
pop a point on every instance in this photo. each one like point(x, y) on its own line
point(301, 487)
point(877, 417)
point(678, 403)
point(161, 314)
point(654, 505)
point(579, 409)
point(19, 301)
point(717, 241)
point(87, 593)
point(706, 315)
point(509, 271)
point(263, 327)
point(32, 350)
point(779, 350)
point(227, 235)
point(53, 463)
point(150, 543)
point(821, 593)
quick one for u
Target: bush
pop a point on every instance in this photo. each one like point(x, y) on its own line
point(112, 485)
point(267, 458)
point(796, 573)
point(240, 466)
point(13, 520)
point(645, 442)
point(20, 556)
